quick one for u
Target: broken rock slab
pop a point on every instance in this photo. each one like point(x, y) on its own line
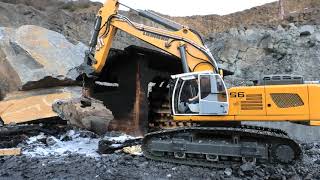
point(95, 117)
point(26, 106)
point(34, 57)
point(10, 152)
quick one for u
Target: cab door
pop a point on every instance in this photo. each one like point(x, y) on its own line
point(213, 98)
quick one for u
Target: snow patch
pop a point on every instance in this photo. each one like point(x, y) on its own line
point(70, 143)
point(1, 34)
point(77, 145)
point(34, 139)
point(120, 139)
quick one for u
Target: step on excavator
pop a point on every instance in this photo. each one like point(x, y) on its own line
point(206, 115)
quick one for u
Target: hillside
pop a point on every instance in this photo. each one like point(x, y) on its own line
point(297, 11)
point(75, 19)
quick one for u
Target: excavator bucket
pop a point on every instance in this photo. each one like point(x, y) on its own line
point(125, 107)
point(133, 69)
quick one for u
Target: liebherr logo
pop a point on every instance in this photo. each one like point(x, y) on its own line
point(155, 36)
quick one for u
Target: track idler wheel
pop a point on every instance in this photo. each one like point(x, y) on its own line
point(283, 153)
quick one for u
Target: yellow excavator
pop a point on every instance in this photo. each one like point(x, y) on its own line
point(207, 115)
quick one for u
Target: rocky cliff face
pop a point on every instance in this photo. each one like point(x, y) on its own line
point(72, 19)
point(252, 53)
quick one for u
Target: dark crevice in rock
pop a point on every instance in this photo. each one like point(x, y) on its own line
point(9, 80)
point(1, 95)
point(48, 82)
point(263, 42)
point(29, 61)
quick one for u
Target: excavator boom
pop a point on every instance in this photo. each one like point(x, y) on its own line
point(181, 41)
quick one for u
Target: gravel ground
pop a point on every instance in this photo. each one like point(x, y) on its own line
point(72, 165)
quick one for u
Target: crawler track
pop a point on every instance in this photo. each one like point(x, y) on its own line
point(221, 146)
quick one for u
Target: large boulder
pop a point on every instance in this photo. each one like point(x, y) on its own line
point(27, 106)
point(93, 116)
point(33, 57)
point(35, 64)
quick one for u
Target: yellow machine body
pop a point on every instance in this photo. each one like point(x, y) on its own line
point(199, 95)
point(270, 103)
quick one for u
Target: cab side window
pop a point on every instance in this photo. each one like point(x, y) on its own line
point(212, 88)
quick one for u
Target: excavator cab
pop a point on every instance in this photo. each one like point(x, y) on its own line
point(199, 93)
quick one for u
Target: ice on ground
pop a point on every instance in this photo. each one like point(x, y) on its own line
point(1, 36)
point(34, 139)
point(77, 145)
point(121, 138)
point(43, 145)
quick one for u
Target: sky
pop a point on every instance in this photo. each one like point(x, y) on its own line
point(189, 8)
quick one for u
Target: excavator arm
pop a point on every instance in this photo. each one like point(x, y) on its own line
point(179, 41)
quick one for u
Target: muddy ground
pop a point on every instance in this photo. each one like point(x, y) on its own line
point(123, 166)
point(73, 156)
